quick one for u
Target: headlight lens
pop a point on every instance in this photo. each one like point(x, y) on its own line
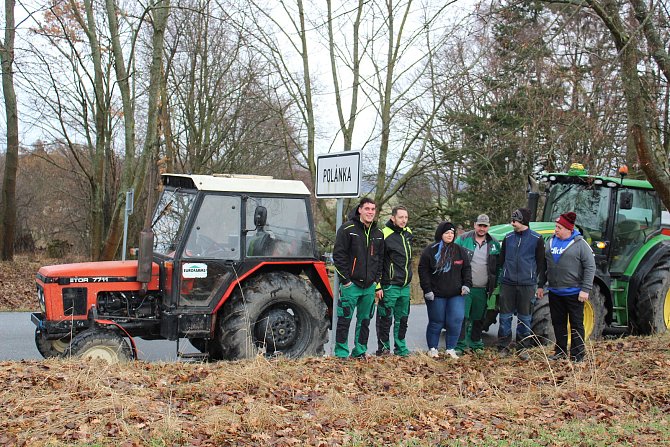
point(40, 299)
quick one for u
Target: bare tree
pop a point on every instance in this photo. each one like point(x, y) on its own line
point(8, 211)
point(639, 43)
point(224, 117)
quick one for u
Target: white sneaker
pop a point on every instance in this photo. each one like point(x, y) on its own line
point(433, 353)
point(451, 353)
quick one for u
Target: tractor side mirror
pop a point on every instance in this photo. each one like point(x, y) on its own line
point(626, 200)
point(260, 216)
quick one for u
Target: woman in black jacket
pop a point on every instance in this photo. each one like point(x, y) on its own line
point(445, 277)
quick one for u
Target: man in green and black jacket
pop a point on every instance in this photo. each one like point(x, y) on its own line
point(483, 250)
point(396, 276)
point(358, 255)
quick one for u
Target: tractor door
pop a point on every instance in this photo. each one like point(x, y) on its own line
point(638, 215)
point(212, 247)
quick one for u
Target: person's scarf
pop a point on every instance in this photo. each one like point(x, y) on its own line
point(443, 257)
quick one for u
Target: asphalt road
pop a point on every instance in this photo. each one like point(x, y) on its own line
point(17, 338)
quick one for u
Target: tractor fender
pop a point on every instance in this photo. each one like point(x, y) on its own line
point(133, 346)
point(648, 261)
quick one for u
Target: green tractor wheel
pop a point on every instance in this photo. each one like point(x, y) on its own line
point(652, 309)
point(594, 318)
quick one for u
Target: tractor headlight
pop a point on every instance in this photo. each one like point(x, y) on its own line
point(40, 299)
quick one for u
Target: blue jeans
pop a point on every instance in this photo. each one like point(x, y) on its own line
point(447, 313)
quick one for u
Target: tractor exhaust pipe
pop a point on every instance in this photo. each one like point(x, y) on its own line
point(145, 257)
point(533, 197)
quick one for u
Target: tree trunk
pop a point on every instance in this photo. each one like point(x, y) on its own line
point(8, 212)
point(135, 178)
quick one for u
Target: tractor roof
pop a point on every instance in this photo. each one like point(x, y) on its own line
point(563, 177)
point(236, 183)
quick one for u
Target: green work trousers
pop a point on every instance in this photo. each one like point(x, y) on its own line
point(361, 300)
point(475, 309)
point(393, 309)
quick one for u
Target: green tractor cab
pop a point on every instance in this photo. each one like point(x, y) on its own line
point(629, 231)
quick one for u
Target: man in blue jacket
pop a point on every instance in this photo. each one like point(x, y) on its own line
point(523, 263)
point(358, 257)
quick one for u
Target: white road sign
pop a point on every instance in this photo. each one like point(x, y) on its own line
point(338, 175)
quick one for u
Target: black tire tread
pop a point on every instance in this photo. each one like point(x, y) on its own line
point(235, 330)
point(648, 316)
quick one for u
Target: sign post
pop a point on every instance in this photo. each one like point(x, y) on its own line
point(130, 197)
point(338, 176)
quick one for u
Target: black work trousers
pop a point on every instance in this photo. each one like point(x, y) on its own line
point(564, 310)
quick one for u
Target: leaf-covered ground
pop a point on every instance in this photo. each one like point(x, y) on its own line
point(620, 396)
point(17, 283)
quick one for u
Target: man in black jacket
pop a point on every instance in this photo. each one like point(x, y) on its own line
point(396, 278)
point(358, 256)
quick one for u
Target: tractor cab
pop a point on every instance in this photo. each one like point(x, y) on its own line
point(205, 228)
point(616, 216)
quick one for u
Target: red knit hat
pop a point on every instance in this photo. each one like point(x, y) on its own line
point(567, 220)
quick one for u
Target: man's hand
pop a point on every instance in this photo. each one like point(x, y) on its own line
point(379, 295)
point(465, 290)
point(430, 296)
point(540, 293)
point(583, 296)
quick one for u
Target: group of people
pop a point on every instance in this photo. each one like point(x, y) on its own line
point(458, 274)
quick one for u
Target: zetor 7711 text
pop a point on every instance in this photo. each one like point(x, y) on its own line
point(230, 264)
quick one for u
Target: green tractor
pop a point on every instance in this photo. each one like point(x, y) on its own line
point(628, 229)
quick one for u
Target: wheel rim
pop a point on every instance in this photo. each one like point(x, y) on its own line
point(277, 329)
point(60, 345)
point(589, 320)
point(106, 353)
point(666, 310)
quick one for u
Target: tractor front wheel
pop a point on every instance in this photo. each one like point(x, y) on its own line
point(102, 344)
point(50, 348)
point(275, 313)
point(594, 314)
point(594, 318)
point(652, 309)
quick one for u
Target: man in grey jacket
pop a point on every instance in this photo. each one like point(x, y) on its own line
point(571, 268)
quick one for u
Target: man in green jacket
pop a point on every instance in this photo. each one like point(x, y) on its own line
point(483, 250)
point(358, 255)
point(393, 308)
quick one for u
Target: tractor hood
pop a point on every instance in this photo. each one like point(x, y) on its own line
point(546, 229)
point(91, 272)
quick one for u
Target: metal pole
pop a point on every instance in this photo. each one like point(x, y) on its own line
point(127, 211)
point(336, 282)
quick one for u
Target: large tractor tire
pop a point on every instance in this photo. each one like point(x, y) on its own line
point(594, 314)
point(275, 314)
point(541, 322)
point(594, 318)
point(652, 309)
point(50, 348)
point(102, 344)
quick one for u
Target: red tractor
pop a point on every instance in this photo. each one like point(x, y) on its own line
point(230, 264)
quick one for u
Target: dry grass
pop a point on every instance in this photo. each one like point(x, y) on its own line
point(620, 396)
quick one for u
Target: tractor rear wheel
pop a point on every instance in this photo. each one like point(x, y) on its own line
point(652, 309)
point(50, 348)
point(102, 344)
point(275, 313)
